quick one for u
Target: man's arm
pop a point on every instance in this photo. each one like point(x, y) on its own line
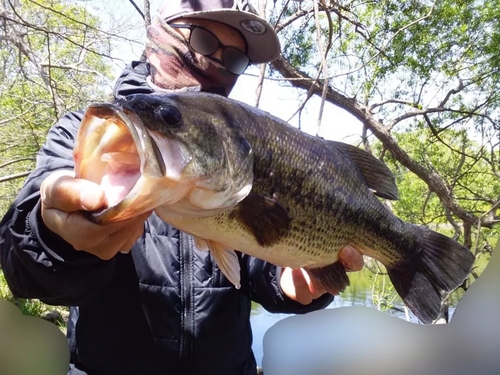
point(292, 290)
point(264, 287)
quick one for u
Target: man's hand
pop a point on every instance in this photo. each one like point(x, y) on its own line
point(63, 197)
point(298, 286)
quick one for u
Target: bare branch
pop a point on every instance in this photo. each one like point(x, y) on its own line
point(294, 17)
point(21, 115)
point(324, 53)
point(454, 224)
point(74, 67)
point(393, 101)
point(281, 15)
point(15, 37)
point(480, 222)
point(14, 176)
point(137, 9)
point(452, 92)
point(147, 13)
point(361, 112)
point(41, 29)
point(16, 161)
point(262, 70)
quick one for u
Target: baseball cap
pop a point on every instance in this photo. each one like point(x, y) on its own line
point(262, 42)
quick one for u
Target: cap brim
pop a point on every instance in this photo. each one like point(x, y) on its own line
point(262, 42)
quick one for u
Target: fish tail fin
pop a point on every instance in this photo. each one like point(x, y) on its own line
point(440, 266)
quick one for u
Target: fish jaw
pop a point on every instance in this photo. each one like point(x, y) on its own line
point(114, 150)
point(141, 169)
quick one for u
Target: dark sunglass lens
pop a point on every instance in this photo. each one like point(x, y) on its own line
point(203, 41)
point(235, 60)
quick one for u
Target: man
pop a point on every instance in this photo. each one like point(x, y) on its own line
point(145, 300)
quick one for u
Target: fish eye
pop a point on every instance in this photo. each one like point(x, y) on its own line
point(169, 114)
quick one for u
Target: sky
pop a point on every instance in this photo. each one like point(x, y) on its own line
point(276, 99)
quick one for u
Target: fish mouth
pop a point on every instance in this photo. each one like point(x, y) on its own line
point(115, 150)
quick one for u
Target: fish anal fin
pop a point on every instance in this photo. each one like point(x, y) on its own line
point(201, 244)
point(264, 217)
point(228, 262)
point(333, 277)
point(377, 175)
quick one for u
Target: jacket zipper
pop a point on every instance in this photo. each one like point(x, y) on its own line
point(187, 309)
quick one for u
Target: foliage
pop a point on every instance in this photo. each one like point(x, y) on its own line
point(32, 307)
point(423, 77)
point(52, 60)
point(384, 296)
point(456, 157)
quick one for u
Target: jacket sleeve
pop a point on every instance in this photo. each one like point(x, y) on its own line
point(263, 288)
point(37, 263)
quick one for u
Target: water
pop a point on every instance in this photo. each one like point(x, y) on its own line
point(261, 320)
point(360, 293)
point(366, 289)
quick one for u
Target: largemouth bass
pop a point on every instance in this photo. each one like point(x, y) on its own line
point(237, 178)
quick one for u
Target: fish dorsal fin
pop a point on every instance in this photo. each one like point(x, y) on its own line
point(264, 217)
point(377, 175)
point(227, 261)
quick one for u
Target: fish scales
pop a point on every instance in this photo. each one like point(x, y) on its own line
point(237, 178)
point(319, 198)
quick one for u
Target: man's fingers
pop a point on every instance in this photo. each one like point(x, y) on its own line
point(63, 199)
point(135, 235)
point(315, 287)
point(351, 258)
point(62, 191)
point(302, 293)
point(120, 241)
point(299, 286)
point(103, 241)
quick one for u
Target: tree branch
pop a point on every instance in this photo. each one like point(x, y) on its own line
point(16, 38)
point(360, 112)
point(16, 161)
point(14, 176)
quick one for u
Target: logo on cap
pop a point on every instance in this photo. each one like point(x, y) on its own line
point(253, 26)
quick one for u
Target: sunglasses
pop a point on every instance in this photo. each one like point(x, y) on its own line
point(205, 43)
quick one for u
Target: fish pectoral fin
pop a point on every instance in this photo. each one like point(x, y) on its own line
point(264, 217)
point(227, 261)
point(376, 174)
point(333, 278)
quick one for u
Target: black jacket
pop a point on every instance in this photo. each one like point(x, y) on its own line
point(164, 308)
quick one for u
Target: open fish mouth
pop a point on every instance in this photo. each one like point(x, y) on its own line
point(116, 151)
point(109, 155)
point(140, 152)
